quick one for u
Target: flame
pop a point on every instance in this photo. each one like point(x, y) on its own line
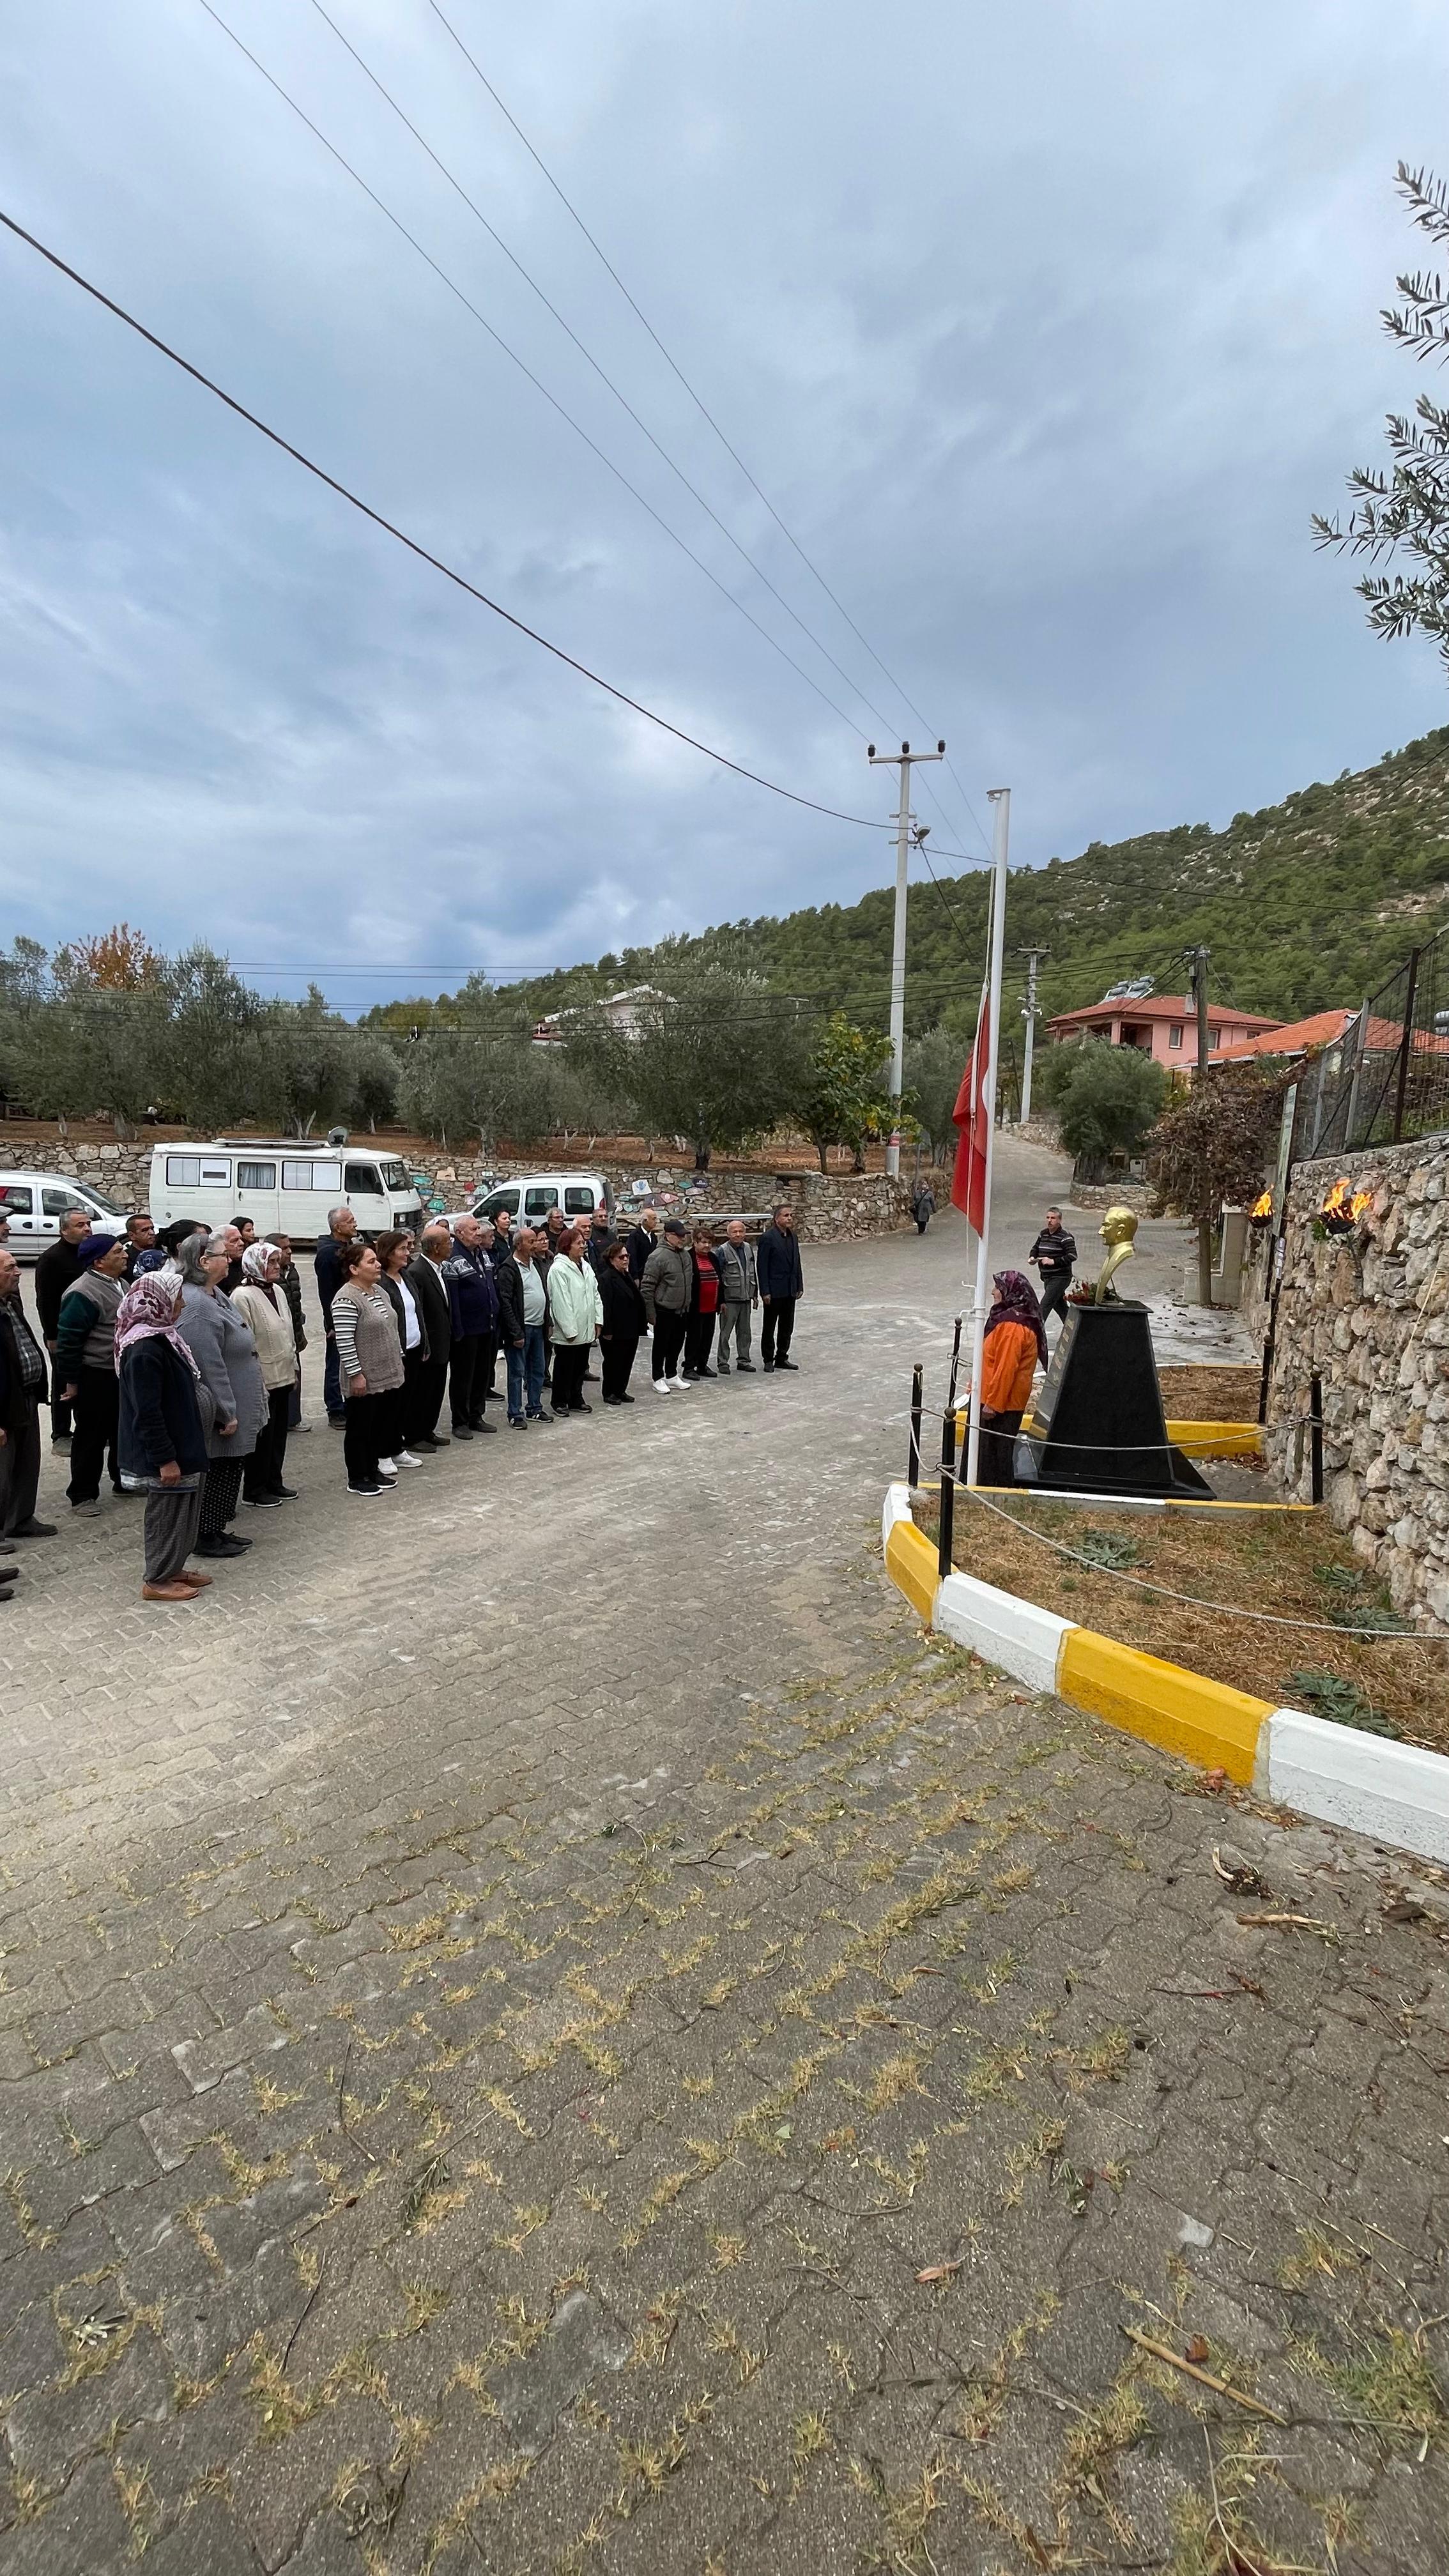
point(1345, 1207)
point(1262, 1207)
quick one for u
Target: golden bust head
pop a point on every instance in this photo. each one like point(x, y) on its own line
point(1119, 1225)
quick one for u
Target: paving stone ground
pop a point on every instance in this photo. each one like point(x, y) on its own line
point(545, 2028)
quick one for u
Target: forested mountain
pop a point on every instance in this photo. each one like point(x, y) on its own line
point(1304, 904)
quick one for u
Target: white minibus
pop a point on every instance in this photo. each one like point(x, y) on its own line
point(285, 1185)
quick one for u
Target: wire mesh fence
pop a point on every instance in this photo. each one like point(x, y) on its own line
point(1386, 1079)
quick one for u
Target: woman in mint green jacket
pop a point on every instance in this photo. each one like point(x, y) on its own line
point(575, 1312)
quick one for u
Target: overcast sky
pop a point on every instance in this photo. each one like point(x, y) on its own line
point(1043, 329)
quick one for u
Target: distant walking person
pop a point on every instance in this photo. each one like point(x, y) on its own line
point(739, 1294)
point(923, 1206)
point(667, 1287)
point(341, 1227)
point(623, 1324)
point(162, 1438)
point(262, 1305)
point(782, 1285)
point(1054, 1255)
point(1015, 1341)
point(57, 1269)
point(85, 1366)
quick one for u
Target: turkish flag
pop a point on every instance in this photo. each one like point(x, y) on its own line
point(971, 1117)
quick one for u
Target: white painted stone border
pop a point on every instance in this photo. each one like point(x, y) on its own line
point(896, 1507)
point(1394, 1793)
point(1022, 1640)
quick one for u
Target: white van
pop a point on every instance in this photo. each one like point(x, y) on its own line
point(285, 1185)
point(35, 1203)
point(529, 1198)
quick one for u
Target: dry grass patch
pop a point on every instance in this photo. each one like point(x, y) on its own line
point(1291, 1565)
point(1196, 1394)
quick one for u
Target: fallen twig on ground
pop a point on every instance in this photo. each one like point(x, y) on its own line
point(1208, 2378)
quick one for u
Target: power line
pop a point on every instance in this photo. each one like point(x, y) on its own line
point(867, 822)
point(698, 400)
point(522, 365)
point(587, 354)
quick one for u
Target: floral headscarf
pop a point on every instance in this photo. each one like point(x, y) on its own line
point(255, 1260)
point(1016, 1303)
point(146, 1312)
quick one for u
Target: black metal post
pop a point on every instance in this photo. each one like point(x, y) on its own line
point(913, 1462)
point(955, 1364)
point(1410, 998)
point(947, 1520)
point(1315, 1436)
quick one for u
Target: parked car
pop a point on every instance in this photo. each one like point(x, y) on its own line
point(35, 1202)
point(529, 1198)
point(285, 1185)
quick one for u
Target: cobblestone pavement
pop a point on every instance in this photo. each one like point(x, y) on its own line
point(544, 2028)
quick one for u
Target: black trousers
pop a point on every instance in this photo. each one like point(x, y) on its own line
point(618, 1356)
point(220, 1490)
point(93, 1437)
point(263, 1472)
point(483, 1374)
point(373, 1431)
point(59, 1412)
point(698, 1341)
point(20, 1473)
point(464, 1393)
point(1054, 1295)
point(424, 1382)
point(776, 1329)
point(998, 1442)
point(570, 1359)
point(669, 1330)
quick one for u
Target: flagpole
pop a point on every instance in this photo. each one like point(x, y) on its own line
point(1000, 797)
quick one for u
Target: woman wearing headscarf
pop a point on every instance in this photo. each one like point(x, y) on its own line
point(221, 1344)
point(1015, 1342)
point(85, 1366)
point(575, 1313)
point(162, 1439)
point(261, 1304)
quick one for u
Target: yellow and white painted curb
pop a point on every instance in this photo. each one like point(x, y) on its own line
point(1396, 1793)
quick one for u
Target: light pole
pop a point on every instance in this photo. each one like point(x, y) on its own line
point(906, 760)
point(1029, 1015)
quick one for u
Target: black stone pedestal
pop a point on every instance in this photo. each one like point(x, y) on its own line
point(1098, 1426)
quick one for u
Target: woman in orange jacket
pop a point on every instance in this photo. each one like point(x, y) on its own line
point(1015, 1341)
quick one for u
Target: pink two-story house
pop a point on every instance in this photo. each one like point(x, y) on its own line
point(1164, 1025)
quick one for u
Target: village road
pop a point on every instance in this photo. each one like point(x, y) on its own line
point(545, 2028)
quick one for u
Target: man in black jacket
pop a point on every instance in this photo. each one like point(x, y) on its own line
point(1055, 1255)
point(22, 1392)
point(327, 1262)
point(640, 1242)
point(430, 1289)
point(58, 1269)
point(782, 1284)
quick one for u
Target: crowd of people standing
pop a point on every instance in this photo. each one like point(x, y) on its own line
point(172, 1364)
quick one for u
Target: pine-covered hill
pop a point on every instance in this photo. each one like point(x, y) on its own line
point(1305, 904)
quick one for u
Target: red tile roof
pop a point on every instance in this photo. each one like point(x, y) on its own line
point(1160, 1006)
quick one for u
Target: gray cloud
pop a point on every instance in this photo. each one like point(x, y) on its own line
point(1045, 331)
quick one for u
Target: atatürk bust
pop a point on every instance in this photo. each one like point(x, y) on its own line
point(1117, 1229)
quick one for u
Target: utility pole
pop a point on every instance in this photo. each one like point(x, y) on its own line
point(906, 759)
point(1029, 1015)
point(1198, 960)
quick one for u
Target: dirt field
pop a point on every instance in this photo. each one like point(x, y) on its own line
point(1210, 1394)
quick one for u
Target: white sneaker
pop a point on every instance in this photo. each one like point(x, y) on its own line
point(679, 1384)
point(405, 1458)
point(661, 1385)
point(386, 1472)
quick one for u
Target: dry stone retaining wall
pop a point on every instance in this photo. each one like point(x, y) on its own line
point(828, 1209)
point(1369, 1313)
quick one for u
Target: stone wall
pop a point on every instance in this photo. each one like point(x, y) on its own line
point(837, 1209)
point(1369, 1312)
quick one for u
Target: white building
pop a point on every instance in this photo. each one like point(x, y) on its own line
point(621, 1008)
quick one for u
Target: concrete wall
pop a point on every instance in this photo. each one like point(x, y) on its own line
point(1370, 1313)
point(828, 1210)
